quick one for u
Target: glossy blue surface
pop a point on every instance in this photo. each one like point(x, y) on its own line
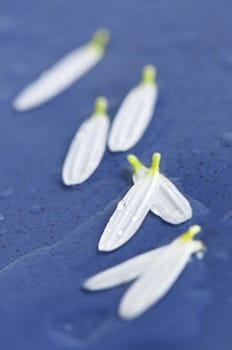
point(49, 234)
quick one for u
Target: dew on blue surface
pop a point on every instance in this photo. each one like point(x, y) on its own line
point(3, 231)
point(36, 208)
point(1, 217)
point(227, 218)
point(32, 190)
point(200, 255)
point(196, 151)
point(77, 328)
point(7, 192)
point(193, 86)
point(227, 139)
point(227, 60)
point(199, 209)
point(222, 255)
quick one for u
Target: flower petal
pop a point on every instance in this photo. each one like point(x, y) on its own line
point(129, 214)
point(122, 273)
point(156, 271)
point(169, 203)
point(133, 117)
point(86, 150)
point(64, 73)
point(156, 281)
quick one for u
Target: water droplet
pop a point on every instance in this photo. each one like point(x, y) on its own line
point(134, 218)
point(200, 255)
point(36, 208)
point(7, 192)
point(121, 205)
point(1, 217)
point(227, 139)
point(3, 231)
point(120, 233)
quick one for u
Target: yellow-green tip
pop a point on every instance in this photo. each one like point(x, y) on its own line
point(100, 106)
point(135, 163)
point(154, 169)
point(192, 231)
point(149, 74)
point(100, 39)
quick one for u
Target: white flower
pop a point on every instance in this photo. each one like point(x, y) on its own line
point(168, 202)
point(135, 113)
point(131, 210)
point(151, 191)
point(88, 146)
point(64, 73)
point(155, 272)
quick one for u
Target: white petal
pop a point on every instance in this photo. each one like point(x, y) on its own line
point(86, 150)
point(133, 117)
point(139, 174)
point(156, 282)
point(122, 273)
point(129, 214)
point(60, 76)
point(170, 204)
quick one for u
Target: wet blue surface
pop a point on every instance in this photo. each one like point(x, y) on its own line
point(48, 234)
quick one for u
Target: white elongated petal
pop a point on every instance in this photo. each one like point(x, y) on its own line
point(169, 203)
point(129, 214)
point(122, 273)
point(133, 117)
point(86, 150)
point(139, 174)
point(56, 79)
point(156, 271)
point(157, 280)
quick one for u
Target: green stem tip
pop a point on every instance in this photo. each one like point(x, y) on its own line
point(100, 39)
point(155, 163)
point(134, 162)
point(100, 106)
point(192, 231)
point(149, 74)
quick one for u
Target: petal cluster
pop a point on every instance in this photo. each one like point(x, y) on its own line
point(154, 272)
point(169, 203)
point(151, 191)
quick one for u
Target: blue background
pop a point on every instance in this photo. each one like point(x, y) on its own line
point(49, 233)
